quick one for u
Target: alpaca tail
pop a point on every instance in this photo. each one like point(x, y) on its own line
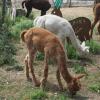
point(23, 4)
point(39, 21)
point(22, 35)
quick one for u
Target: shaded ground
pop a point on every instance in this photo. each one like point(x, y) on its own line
point(13, 83)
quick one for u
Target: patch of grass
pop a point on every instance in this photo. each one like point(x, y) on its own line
point(40, 56)
point(95, 87)
point(59, 97)
point(36, 94)
point(16, 67)
point(71, 52)
point(79, 69)
point(94, 47)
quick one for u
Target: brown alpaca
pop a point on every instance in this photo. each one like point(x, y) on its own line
point(57, 12)
point(81, 26)
point(38, 39)
point(96, 11)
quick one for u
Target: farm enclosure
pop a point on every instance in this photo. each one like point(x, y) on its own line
point(13, 84)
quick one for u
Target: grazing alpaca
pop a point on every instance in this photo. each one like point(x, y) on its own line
point(42, 5)
point(39, 39)
point(62, 28)
point(81, 26)
point(96, 11)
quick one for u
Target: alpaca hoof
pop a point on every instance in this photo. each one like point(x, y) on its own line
point(37, 83)
point(43, 83)
point(29, 79)
point(61, 88)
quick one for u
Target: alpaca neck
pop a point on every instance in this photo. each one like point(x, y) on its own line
point(63, 67)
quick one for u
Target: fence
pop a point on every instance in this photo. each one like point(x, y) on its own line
point(72, 3)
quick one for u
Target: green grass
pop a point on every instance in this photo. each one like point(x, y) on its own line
point(94, 46)
point(95, 87)
point(79, 69)
point(71, 52)
point(35, 94)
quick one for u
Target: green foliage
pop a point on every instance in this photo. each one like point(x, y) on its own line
point(79, 69)
point(71, 52)
point(36, 94)
point(20, 25)
point(95, 87)
point(40, 56)
point(7, 49)
point(94, 47)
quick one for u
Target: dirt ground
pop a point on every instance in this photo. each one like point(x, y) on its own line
point(18, 78)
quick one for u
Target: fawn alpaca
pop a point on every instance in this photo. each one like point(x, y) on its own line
point(38, 39)
point(96, 11)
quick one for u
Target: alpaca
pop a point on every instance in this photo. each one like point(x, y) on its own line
point(43, 5)
point(39, 39)
point(81, 26)
point(63, 29)
point(96, 11)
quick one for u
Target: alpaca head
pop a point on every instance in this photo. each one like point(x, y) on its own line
point(84, 47)
point(75, 84)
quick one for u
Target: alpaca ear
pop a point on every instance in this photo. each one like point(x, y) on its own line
point(83, 44)
point(80, 76)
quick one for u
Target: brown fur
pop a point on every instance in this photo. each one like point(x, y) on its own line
point(43, 5)
point(57, 12)
point(81, 26)
point(38, 39)
point(96, 11)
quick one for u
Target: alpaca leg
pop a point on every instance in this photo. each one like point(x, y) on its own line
point(64, 41)
point(28, 12)
point(30, 62)
point(27, 68)
point(43, 12)
point(93, 25)
point(99, 28)
point(59, 80)
point(44, 80)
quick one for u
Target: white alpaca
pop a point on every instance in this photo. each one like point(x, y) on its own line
point(63, 29)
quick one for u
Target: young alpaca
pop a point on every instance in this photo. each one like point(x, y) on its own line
point(62, 28)
point(38, 39)
point(96, 11)
point(81, 26)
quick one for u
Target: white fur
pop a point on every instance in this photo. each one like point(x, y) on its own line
point(63, 29)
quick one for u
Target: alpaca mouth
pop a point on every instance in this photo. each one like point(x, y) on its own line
point(73, 93)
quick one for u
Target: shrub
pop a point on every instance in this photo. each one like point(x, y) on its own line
point(21, 24)
point(7, 49)
point(38, 95)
